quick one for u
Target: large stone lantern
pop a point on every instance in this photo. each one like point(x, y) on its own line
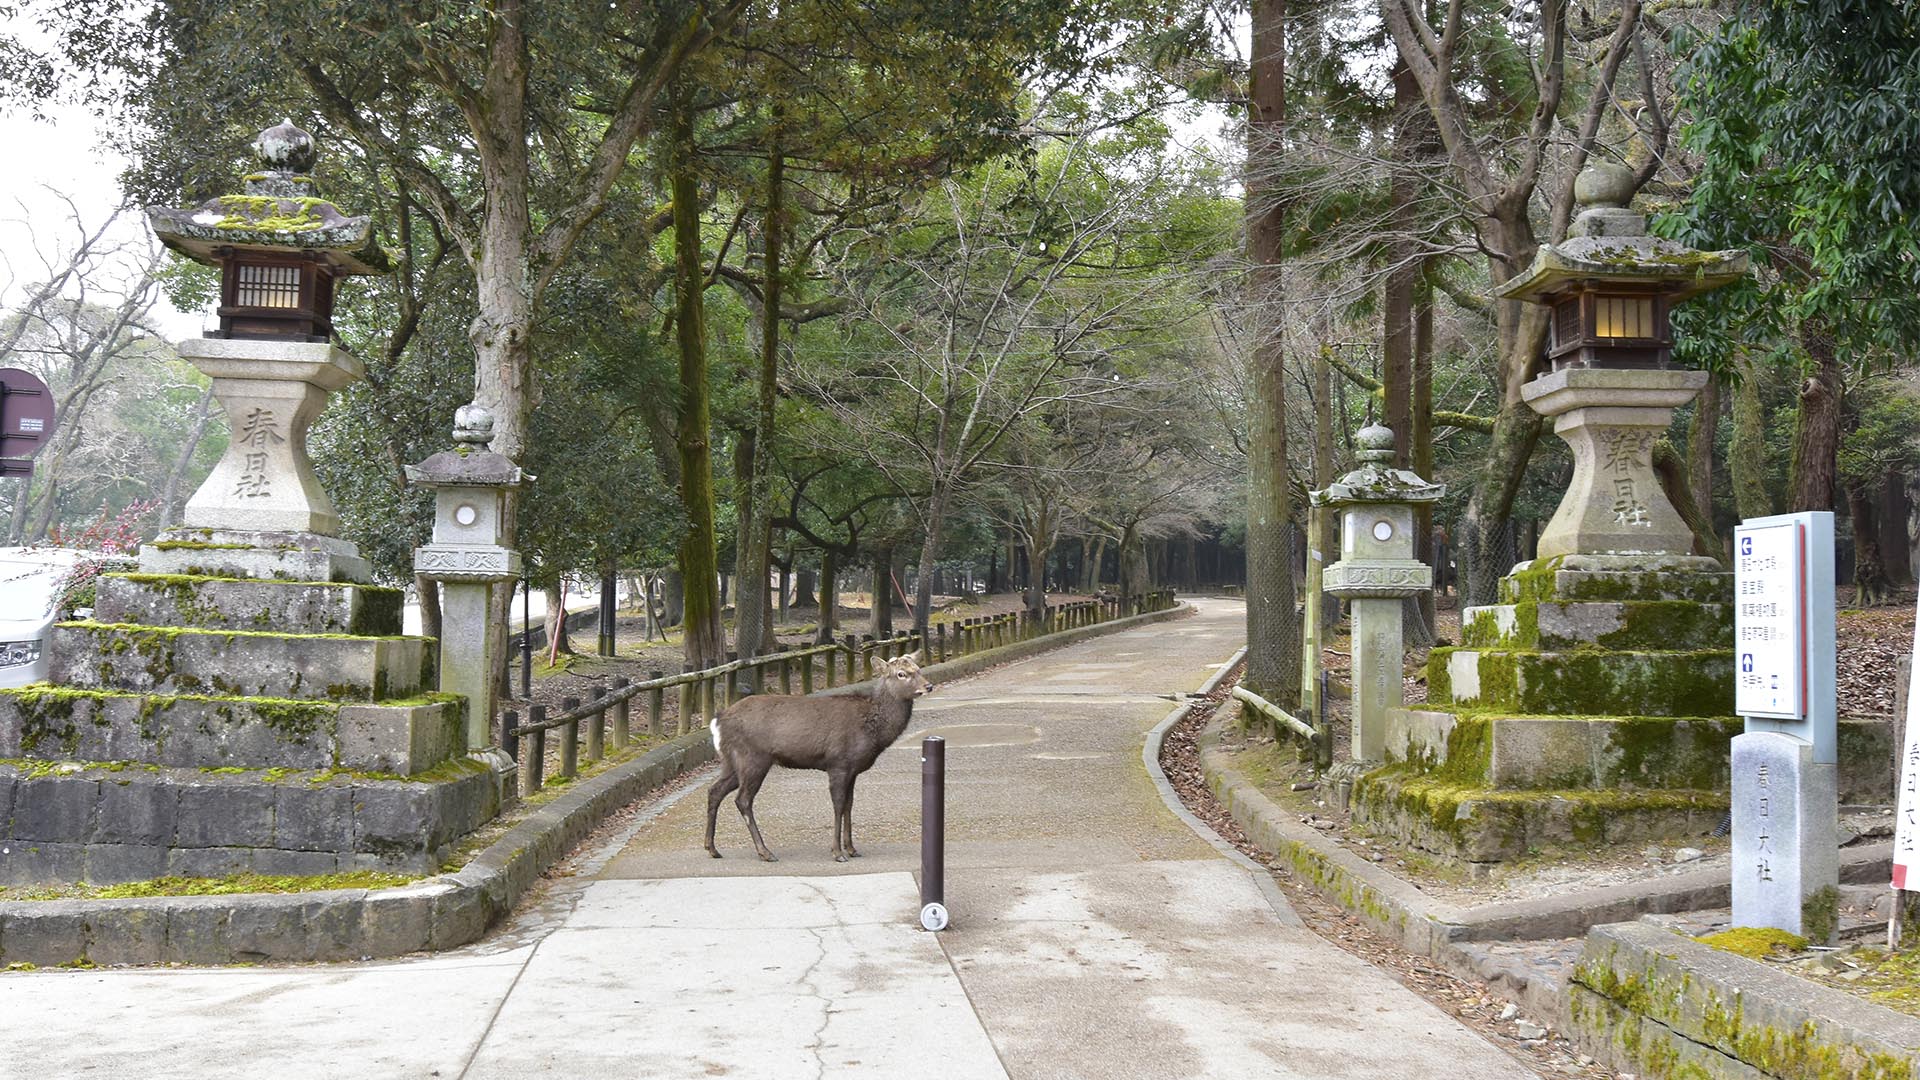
point(1609, 390)
point(280, 249)
point(1377, 571)
point(470, 485)
point(1592, 704)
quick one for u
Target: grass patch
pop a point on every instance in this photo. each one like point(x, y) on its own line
point(220, 886)
point(1756, 943)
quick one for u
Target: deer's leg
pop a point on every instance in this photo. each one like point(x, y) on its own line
point(753, 772)
point(717, 794)
point(846, 816)
point(840, 785)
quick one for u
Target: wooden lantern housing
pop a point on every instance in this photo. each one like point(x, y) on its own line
point(275, 294)
point(1610, 324)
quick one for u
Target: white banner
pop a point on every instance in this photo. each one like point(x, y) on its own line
point(1906, 822)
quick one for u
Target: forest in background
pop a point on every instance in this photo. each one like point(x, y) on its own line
point(915, 290)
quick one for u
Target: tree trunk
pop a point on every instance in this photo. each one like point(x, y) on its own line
point(1515, 431)
point(1816, 431)
point(1747, 456)
point(1420, 441)
point(673, 599)
point(1700, 436)
point(929, 549)
point(1097, 547)
point(1871, 586)
point(1273, 634)
point(1037, 582)
point(751, 625)
point(172, 497)
point(880, 610)
point(803, 588)
point(1896, 549)
point(829, 598)
point(705, 640)
point(557, 640)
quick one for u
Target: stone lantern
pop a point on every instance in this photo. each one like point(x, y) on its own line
point(1377, 571)
point(1591, 704)
point(280, 249)
point(470, 485)
point(1610, 392)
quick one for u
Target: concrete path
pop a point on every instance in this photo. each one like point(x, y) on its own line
point(1094, 935)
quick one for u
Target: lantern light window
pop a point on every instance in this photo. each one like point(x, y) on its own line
point(1624, 317)
point(268, 286)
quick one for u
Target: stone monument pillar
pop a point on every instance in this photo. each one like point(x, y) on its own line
point(1377, 571)
point(470, 485)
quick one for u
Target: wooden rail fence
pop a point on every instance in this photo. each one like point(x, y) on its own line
point(703, 694)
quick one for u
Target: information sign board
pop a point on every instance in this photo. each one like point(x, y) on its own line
point(1906, 821)
point(1769, 620)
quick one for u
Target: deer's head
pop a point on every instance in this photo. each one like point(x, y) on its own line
point(902, 679)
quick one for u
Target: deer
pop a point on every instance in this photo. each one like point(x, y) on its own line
point(841, 736)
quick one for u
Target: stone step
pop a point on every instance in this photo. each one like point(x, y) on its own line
point(217, 603)
point(241, 663)
point(285, 556)
point(105, 824)
point(1517, 753)
point(1465, 825)
point(1584, 682)
point(1618, 577)
point(1629, 624)
point(400, 738)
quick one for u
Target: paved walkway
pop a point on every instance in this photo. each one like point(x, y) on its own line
point(1094, 935)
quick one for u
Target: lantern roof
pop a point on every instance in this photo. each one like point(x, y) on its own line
point(278, 210)
point(1375, 480)
point(469, 463)
point(1607, 244)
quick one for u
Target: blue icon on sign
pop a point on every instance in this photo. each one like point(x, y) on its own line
point(1746, 661)
point(1746, 545)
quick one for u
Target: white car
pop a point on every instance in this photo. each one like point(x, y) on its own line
point(29, 585)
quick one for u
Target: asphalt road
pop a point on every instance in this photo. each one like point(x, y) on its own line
point(1094, 935)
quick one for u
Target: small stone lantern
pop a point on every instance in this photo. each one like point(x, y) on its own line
point(1609, 390)
point(1377, 571)
point(470, 485)
point(280, 249)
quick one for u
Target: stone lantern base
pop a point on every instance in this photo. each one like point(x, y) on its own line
point(1591, 706)
point(203, 725)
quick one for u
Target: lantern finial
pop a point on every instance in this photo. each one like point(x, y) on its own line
point(1604, 192)
point(285, 148)
point(472, 425)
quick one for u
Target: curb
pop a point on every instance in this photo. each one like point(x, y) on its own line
point(1643, 995)
point(1428, 927)
point(1150, 756)
point(437, 913)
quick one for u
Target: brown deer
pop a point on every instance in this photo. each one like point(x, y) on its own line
point(841, 736)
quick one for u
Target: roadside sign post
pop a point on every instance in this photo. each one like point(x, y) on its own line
point(1786, 867)
point(26, 420)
